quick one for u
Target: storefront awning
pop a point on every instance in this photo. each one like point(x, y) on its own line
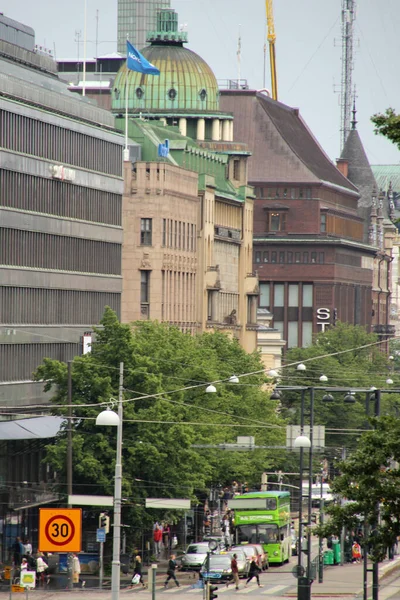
point(31, 428)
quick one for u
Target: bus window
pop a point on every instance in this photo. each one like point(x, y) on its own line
point(271, 504)
point(268, 534)
point(247, 533)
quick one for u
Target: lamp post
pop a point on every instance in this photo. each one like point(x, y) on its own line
point(109, 417)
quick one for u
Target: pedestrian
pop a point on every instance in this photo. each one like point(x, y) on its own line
point(18, 551)
point(76, 571)
point(171, 571)
point(356, 552)
point(137, 572)
point(27, 547)
point(235, 571)
point(226, 531)
point(157, 540)
point(166, 532)
point(24, 565)
point(41, 568)
point(254, 572)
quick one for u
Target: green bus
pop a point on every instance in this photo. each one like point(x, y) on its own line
point(264, 518)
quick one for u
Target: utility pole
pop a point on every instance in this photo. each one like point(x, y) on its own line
point(69, 459)
point(348, 18)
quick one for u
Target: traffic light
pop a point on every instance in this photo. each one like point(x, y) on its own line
point(104, 522)
point(211, 592)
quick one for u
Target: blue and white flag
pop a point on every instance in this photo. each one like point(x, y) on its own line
point(137, 62)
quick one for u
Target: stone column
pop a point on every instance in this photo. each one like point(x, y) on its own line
point(226, 130)
point(201, 129)
point(183, 126)
point(215, 130)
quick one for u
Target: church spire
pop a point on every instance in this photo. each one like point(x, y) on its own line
point(354, 111)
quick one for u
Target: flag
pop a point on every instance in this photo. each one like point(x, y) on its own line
point(137, 62)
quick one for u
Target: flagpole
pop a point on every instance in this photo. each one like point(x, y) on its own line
point(126, 150)
point(84, 48)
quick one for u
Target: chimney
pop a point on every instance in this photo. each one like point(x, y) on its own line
point(343, 166)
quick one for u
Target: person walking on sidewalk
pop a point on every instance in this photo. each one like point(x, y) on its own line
point(157, 540)
point(235, 571)
point(254, 572)
point(171, 571)
point(137, 573)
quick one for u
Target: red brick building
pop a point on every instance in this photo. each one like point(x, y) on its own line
point(309, 250)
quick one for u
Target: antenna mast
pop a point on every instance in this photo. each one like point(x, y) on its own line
point(348, 18)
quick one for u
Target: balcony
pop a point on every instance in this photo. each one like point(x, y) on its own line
point(213, 278)
point(251, 285)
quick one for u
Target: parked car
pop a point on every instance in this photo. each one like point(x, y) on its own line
point(243, 562)
point(254, 550)
point(194, 556)
point(219, 570)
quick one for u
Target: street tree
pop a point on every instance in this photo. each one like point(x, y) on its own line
point(370, 484)
point(166, 413)
point(388, 125)
point(350, 358)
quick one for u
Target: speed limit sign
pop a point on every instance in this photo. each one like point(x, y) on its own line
point(60, 530)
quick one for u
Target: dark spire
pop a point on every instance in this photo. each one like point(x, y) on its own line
point(354, 111)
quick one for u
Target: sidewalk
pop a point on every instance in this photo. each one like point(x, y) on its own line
point(346, 580)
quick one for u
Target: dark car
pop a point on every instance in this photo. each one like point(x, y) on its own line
point(219, 569)
point(243, 562)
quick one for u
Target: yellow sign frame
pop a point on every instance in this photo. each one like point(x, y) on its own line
point(60, 529)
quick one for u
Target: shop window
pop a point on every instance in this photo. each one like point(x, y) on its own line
point(146, 229)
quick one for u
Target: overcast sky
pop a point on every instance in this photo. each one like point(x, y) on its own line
point(308, 51)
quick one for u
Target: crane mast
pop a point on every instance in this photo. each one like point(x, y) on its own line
point(271, 37)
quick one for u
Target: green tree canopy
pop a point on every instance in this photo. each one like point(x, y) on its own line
point(350, 358)
point(166, 412)
point(388, 125)
point(369, 479)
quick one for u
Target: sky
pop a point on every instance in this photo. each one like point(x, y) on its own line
point(308, 50)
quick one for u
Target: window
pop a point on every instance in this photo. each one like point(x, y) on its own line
point(279, 294)
point(285, 193)
point(266, 257)
point(144, 286)
point(305, 257)
point(290, 257)
point(179, 234)
point(257, 257)
point(323, 223)
point(281, 257)
point(264, 295)
point(313, 257)
point(164, 232)
point(236, 170)
point(293, 193)
point(301, 193)
point(321, 258)
point(276, 221)
point(293, 334)
point(146, 226)
point(297, 257)
point(175, 234)
point(273, 257)
point(308, 193)
point(294, 295)
point(183, 236)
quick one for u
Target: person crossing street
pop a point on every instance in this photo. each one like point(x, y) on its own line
point(171, 571)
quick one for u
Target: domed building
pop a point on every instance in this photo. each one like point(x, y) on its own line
point(187, 208)
point(186, 92)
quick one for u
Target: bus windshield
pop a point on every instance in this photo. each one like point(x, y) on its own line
point(258, 534)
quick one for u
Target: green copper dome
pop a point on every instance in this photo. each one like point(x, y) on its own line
point(186, 83)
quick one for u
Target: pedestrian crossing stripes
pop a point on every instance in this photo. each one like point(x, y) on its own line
point(222, 589)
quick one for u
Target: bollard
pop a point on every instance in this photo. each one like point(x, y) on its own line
point(151, 580)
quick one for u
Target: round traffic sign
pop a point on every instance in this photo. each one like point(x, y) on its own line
point(59, 530)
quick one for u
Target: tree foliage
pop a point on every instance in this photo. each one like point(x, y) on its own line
point(166, 412)
point(388, 125)
point(370, 480)
point(350, 358)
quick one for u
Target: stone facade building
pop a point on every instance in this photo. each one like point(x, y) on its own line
point(188, 218)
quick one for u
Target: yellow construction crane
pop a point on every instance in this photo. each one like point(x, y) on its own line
point(271, 37)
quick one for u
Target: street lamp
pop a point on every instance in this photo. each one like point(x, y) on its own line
point(109, 417)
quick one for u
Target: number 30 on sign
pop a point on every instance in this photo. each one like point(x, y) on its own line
point(60, 529)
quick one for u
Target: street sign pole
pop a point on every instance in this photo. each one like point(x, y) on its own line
point(101, 565)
